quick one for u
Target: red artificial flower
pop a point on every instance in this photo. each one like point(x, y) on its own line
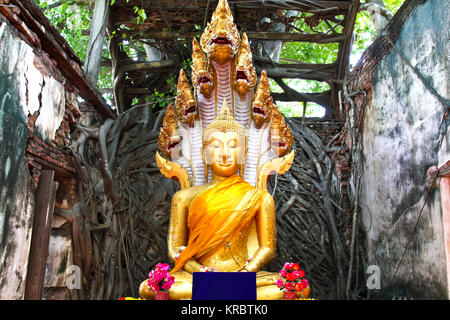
point(301, 273)
point(299, 286)
point(288, 266)
point(159, 278)
point(283, 273)
point(290, 276)
point(280, 283)
point(305, 283)
point(289, 286)
point(295, 266)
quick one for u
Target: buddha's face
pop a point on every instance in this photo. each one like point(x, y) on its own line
point(223, 153)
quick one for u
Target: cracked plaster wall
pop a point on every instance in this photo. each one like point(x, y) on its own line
point(24, 91)
point(401, 141)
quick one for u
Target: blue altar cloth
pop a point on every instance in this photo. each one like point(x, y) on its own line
point(224, 286)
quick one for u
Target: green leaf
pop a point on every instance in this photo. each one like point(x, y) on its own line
point(64, 7)
point(142, 14)
point(112, 2)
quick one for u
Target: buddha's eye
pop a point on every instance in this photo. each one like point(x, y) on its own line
point(215, 144)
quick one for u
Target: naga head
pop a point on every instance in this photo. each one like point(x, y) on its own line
point(245, 76)
point(262, 105)
point(220, 40)
point(202, 79)
point(281, 137)
point(185, 105)
point(169, 138)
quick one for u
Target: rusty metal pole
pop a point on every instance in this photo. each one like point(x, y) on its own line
point(40, 238)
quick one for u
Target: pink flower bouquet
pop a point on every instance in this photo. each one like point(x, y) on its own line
point(294, 278)
point(160, 279)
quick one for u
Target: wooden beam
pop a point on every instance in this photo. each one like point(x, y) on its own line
point(321, 98)
point(345, 46)
point(252, 35)
point(40, 238)
point(293, 73)
point(153, 66)
point(295, 37)
point(326, 67)
point(156, 35)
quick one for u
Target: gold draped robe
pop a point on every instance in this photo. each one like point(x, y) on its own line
point(218, 214)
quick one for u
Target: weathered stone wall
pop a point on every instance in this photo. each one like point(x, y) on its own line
point(401, 125)
point(38, 110)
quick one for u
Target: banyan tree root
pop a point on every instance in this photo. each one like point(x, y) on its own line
point(125, 207)
point(311, 224)
point(124, 203)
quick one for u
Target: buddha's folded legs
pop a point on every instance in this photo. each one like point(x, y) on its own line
point(182, 288)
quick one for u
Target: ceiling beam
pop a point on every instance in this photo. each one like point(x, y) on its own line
point(252, 35)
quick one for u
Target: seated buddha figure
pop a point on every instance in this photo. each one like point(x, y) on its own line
point(215, 223)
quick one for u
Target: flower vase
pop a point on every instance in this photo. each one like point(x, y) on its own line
point(289, 295)
point(162, 295)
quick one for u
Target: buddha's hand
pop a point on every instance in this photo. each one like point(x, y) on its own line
point(208, 269)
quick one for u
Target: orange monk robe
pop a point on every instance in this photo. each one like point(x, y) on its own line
point(216, 215)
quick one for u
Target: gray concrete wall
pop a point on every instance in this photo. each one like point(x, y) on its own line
point(400, 142)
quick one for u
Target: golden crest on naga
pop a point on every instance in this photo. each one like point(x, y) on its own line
point(185, 105)
point(169, 138)
point(245, 75)
point(281, 137)
point(262, 105)
point(268, 139)
point(220, 40)
point(202, 73)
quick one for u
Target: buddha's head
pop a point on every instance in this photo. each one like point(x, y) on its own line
point(220, 40)
point(224, 144)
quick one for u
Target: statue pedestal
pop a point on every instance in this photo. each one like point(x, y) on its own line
point(224, 286)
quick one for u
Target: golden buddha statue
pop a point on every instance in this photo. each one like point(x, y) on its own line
point(219, 220)
point(219, 223)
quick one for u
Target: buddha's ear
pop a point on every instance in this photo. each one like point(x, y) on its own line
point(205, 162)
point(242, 156)
point(203, 153)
